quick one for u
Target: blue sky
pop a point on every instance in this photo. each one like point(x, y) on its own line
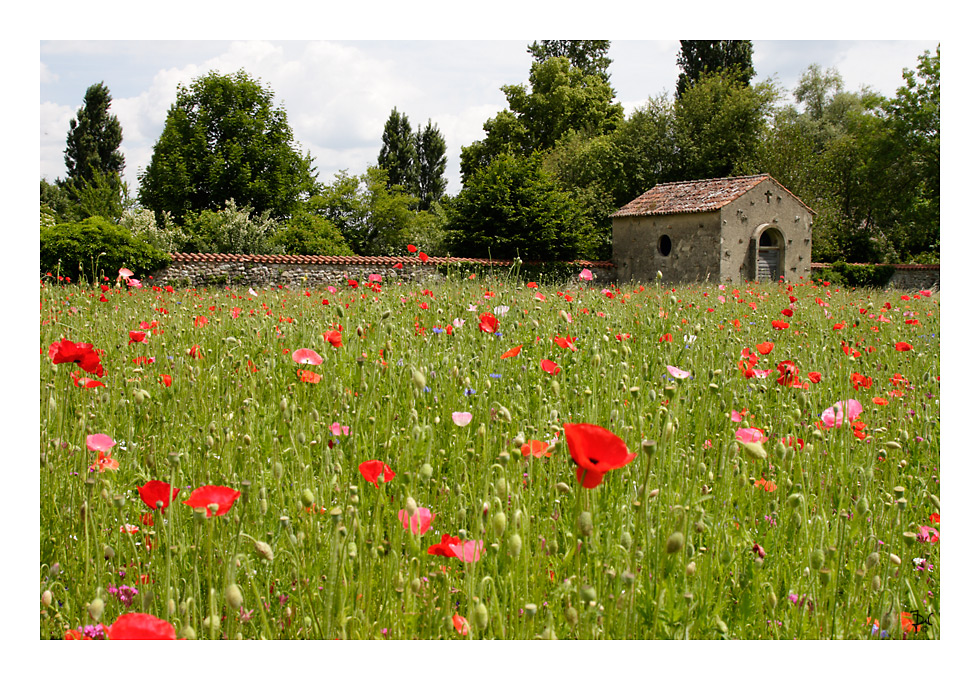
point(338, 93)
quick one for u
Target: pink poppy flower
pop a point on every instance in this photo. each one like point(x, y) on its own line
point(418, 523)
point(834, 416)
point(462, 418)
point(337, 429)
point(750, 435)
point(736, 416)
point(99, 442)
point(307, 356)
point(585, 275)
point(678, 373)
point(374, 278)
point(928, 535)
point(125, 273)
point(468, 551)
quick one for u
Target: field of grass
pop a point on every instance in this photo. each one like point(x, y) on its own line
point(489, 459)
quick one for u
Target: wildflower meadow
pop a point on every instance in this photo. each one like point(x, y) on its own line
point(484, 457)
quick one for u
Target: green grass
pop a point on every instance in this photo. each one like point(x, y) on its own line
point(668, 546)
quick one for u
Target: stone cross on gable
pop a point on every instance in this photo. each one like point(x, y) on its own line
point(768, 195)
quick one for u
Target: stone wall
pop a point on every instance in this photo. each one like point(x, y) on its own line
point(201, 269)
point(906, 276)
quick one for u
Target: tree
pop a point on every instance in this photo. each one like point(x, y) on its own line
point(817, 89)
point(308, 233)
point(720, 121)
point(224, 140)
point(431, 156)
point(562, 98)
point(94, 136)
point(589, 56)
point(398, 155)
point(514, 208)
point(698, 58)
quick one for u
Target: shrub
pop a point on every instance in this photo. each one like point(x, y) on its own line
point(859, 275)
point(93, 246)
point(307, 233)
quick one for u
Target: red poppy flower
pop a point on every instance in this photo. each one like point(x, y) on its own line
point(373, 470)
point(780, 325)
point(138, 626)
point(787, 312)
point(858, 381)
point(764, 347)
point(512, 352)
point(788, 373)
point(903, 346)
point(461, 625)
point(166, 379)
point(489, 323)
point(201, 321)
point(104, 462)
point(136, 336)
point(908, 622)
point(766, 484)
point(155, 491)
point(334, 338)
point(411, 248)
point(566, 342)
point(934, 518)
point(532, 284)
point(880, 401)
point(66, 351)
point(82, 381)
point(444, 547)
point(535, 448)
point(595, 451)
point(399, 265)
point(222, 496)
point(666, 337)
point(308, 376)
point(550, 367)
point(838, 326)
point(814, 377)
point(195, 352)
point(423, 257)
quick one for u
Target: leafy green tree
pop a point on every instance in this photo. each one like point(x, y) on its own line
point(225, 140)
point(309, 233)
point(94, 247)
point(94, 137)
point(399, 153)
point(719, 123)
point(698, 58)
point(232, 229)
point(589, 56)
point(431, 170)
point(55, 197)
point(514, 208)
point(648, 148)
point(104, 194)
point(372, 219)
point(561, 98)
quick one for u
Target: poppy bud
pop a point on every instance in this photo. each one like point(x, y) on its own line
point(563, 488)
point(54, 570)
point(585, 524)
point(108, 552)
point(895, 559)
point(277, 470)
point(899, 491)
point(935, 500)
point(479, 616)
point(514, 544)
point(95, 609)
point(571, 616)
point(307, 498)
point(233, 596)
point(649, 446)
point(504, 414)
point(588, 594)
point(675, 542)
point(754, 450)
point(499, 522)
point(816, 559)
point(264, 550)
point(795, 500)
point(411, 507)
point(418, 378)
point(720, 625)
point(263, 506)
point(872, 560)
point(626, 540)
point(862, 506)
point(876, 582)
point(893, 445)
point(691, 568)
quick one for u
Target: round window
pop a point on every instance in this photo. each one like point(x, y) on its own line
point(663, 245)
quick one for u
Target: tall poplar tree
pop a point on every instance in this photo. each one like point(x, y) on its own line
point(698, 58)
point(398, 155)
point(431, 157)
point(94, 137)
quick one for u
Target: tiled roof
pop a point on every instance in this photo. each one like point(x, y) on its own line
point(382, 261)
point(703, 195)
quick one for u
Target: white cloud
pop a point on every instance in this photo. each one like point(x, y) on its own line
point(47, 76)
point(54, 131)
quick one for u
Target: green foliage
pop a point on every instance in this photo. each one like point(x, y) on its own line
point(699, 58)
point(56, 199)
point(94, 136)
point(398, 157)
point(858, 275)
point(99, 195)
point(431, 155)
point(719, 122)
point(372, 219)
point(561, 98)
point(308, 233)
point(224, 140)
point(95, 246)
point(589, 56)
point(162, 234)
point(230, 230)
point(514, 208)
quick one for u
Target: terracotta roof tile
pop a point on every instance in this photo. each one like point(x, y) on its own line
point(703, 195)
point(385, 261)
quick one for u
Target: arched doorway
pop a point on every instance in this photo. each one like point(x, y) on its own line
point(769, 256)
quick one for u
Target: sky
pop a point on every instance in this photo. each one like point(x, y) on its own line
point(337, 94)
